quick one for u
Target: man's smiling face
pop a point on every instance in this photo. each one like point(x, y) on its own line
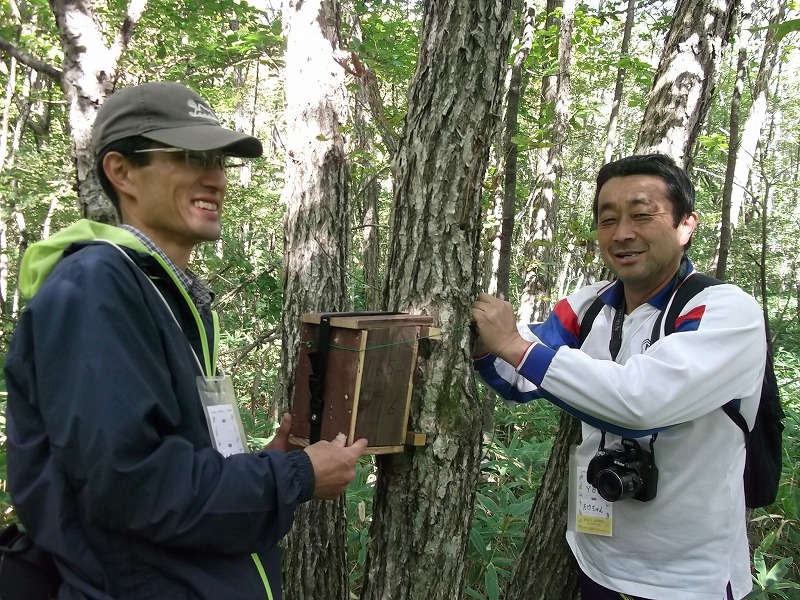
point(637, 234)
point(175, 203)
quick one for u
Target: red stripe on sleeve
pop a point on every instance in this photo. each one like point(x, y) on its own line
point(693, 315)
point(567, 317)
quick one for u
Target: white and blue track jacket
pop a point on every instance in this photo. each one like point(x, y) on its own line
point(690, 541)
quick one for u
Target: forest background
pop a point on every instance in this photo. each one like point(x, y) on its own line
point(417, 152)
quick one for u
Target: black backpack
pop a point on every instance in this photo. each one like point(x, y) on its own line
point(764, 451)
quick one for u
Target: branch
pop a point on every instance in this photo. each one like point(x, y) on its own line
point(30, 61)
point(135, 10)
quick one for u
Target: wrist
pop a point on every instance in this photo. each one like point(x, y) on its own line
point(514, 351)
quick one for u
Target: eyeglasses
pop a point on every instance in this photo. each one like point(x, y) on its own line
point(201, 160)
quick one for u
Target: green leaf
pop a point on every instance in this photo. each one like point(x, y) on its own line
point(491, 583)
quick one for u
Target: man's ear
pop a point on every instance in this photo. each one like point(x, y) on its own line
point(687, 226)
point(118, 171)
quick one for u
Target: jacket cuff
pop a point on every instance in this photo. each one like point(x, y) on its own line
point(305, 474)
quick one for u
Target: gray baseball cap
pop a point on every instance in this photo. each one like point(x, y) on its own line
point(171, 114)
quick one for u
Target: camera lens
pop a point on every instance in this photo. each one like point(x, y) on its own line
point(615, 486)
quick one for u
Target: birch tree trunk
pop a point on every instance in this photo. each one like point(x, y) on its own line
point(316, 235)
point(424, 497)
point(544, 545)
point(685, 78)
point(87, 77)
point(758, 111)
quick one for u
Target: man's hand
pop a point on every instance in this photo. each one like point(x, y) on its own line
point(280, 442)
point(497, 328)
point(334, 465)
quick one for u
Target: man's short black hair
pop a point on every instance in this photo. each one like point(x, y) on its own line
point(127, 147)
point(679, 189)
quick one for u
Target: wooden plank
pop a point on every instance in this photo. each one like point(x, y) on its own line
point(384, 397)
point(357, 387)
point(300, 443)
point(340, 381)
point(410, 384)
point(369, 322)
point(384, 449)
point(416, 439)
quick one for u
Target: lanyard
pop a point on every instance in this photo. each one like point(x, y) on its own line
point(616, 331)
point(615, 343)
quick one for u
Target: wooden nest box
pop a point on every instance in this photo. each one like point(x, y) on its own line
point(354, 376)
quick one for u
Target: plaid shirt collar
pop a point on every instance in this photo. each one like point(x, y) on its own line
point(198, 291)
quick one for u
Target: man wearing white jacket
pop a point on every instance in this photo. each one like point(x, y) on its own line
point(668, 520)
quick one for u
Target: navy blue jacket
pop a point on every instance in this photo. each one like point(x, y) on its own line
point(110, 462)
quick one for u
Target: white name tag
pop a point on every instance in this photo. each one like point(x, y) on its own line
point(222, 414)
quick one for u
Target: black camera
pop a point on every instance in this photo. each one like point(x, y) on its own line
point(628, 472)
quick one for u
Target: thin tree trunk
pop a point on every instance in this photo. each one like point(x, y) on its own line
point(540, 244)
point(368, 194)
point(720, 271)
point(424, 497)
point(316, 235)
point(554, 577)
point(544, 538)
point(611, 132)
point(758, 110)
point(500, 278)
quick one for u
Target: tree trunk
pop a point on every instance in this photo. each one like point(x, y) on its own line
point(86, 79)
point(316, 235)
point(367, 194)
point(724, 245)
point(424, 497)
point(555, 576)
point(758, 111)
point(611, 132)
point(685, 78)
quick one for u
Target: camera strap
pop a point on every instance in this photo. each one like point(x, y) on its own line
point(615, 343)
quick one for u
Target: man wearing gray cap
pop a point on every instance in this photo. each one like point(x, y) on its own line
point(126, 457)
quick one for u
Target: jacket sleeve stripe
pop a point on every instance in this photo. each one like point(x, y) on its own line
point(691, 320)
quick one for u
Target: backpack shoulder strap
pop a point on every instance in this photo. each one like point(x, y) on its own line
point(687, 289)
point(736, 417)
point(588, 319)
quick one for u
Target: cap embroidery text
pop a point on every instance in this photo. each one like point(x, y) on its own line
point(201, 111)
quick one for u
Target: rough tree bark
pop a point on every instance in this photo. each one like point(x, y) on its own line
point(316, 235)
point(424, 497)
point(685, 78)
